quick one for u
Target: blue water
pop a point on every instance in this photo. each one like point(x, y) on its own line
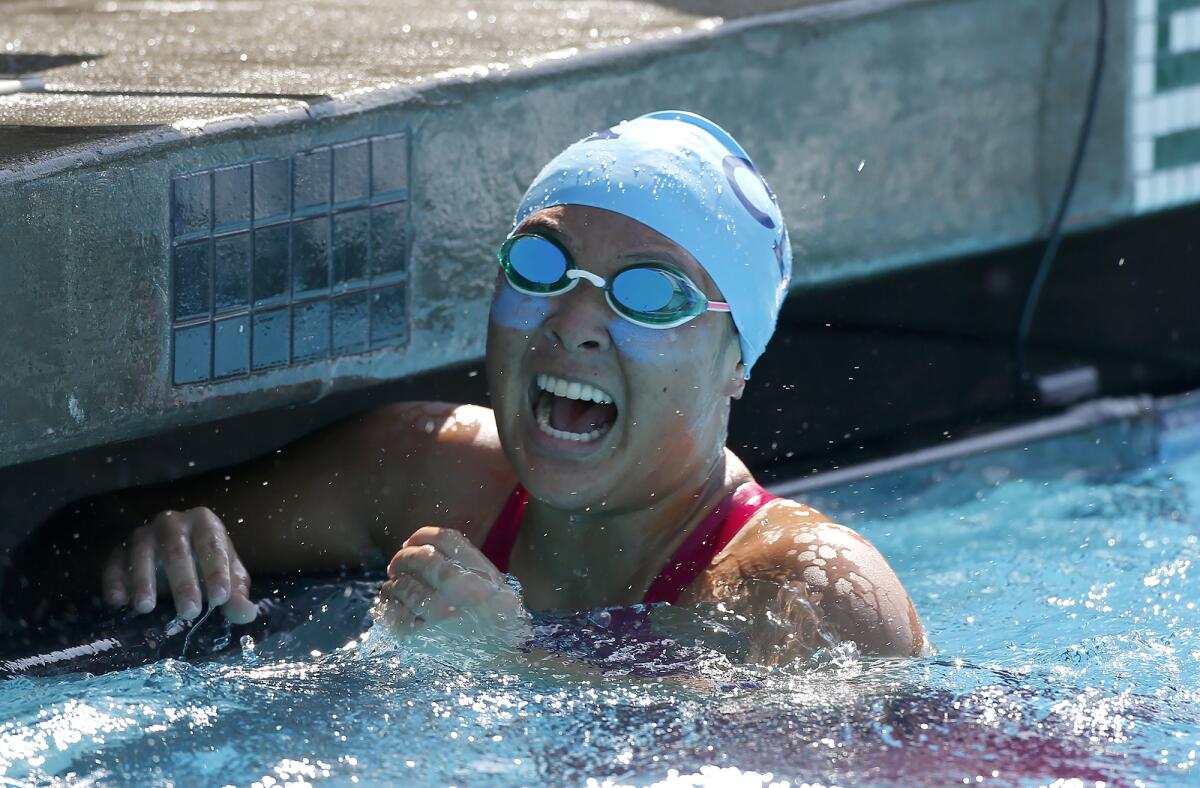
point(1064, 612)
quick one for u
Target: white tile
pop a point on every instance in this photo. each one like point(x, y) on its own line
point(1179, 185)
point(1143, 79)
point(1185, 190)
point(1191, 176)
point(1143, 156)
point(1143, 124)
point(1158, 115)
point(1175, 110)
point(1141, 195)
point(1172, 186)
point(1154, 188)
point(1185, 31)
point(1162, 189)
point(1145, 44)
point(1159, 189)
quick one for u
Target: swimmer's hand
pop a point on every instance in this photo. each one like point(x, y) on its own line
point(182, 542)
point(439, 576)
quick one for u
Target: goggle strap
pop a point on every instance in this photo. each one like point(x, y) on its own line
point(718, 306)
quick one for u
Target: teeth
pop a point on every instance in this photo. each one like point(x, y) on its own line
point(572, 389)
point(543, 420)
point(569, 390)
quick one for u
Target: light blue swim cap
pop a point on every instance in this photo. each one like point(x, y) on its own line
point(685, 177)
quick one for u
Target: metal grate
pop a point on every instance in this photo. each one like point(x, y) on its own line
point(292, 260)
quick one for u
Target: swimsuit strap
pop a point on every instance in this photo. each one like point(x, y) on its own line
point(498, 546)
point(693, 556)
point(710, 538)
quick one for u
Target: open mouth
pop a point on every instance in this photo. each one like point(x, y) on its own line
point(571, 410)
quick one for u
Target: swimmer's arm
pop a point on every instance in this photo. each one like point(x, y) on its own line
point(438, 465)
point(849, 582)
point(301, 508)
point(305, 507)
point(806, 583)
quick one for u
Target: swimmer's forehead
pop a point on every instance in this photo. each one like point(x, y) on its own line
point(572, 224)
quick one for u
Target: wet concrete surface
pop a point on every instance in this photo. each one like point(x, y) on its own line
point(121, 66)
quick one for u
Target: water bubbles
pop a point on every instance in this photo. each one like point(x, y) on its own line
point(600, 618)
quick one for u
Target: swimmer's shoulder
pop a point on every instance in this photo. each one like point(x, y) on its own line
point(790, 545)
point(429, 423)
point(438, 464)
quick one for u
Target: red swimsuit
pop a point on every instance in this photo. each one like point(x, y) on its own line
point(692, 557)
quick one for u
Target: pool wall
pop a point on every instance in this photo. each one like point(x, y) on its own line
point(894, 132)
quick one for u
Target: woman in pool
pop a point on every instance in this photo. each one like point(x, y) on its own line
point(641, 281)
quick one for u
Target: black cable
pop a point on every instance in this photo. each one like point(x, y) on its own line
point(1043, 270)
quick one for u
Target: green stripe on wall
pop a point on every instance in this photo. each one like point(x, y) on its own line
point(1177, 150)
point(1165, 9)
point(1177, 71)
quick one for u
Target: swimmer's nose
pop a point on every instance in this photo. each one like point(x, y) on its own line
point(580, 321)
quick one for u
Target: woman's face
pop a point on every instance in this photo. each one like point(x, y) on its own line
point(669, 389)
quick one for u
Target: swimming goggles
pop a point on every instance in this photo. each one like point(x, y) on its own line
point(650, 294)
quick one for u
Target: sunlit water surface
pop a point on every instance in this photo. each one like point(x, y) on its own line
point(1064, 613)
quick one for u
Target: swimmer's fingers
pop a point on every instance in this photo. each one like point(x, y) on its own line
point(455, 586)
point(239, 609)
point(423, 562)
point(403, 600)
point(210, 545)
point(454, 545)
point(183, 542)
point(113, 577)
point(413, 592)
point(174, 543)
point(394, 613)
point(142, 562)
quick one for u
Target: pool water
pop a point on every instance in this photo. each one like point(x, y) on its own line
point(1064, 610)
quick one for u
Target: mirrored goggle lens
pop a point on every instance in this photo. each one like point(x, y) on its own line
point(655, 296)
point(535, 263)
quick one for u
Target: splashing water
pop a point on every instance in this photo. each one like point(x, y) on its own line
point(1064, 613)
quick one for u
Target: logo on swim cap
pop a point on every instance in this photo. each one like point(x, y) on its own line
point(750, 187)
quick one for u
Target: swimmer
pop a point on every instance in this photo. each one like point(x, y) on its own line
point(640, 282)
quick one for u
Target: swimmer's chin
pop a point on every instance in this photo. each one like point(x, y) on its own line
point(568, 483)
